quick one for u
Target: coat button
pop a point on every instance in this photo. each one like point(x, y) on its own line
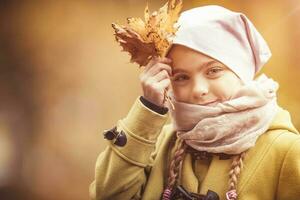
point(121, 139)
point(110, 134)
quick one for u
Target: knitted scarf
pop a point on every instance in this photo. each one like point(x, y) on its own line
point(232, 126)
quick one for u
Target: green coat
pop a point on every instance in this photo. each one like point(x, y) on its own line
point(139, 169)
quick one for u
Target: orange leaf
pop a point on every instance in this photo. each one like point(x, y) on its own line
point(152, 37)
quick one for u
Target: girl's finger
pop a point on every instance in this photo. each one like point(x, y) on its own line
point(165, 60)
point(159, 67)
point(161, 75)
point(155, 60)
point(164, 84)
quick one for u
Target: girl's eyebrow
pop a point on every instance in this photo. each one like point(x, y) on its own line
point(206, 64)
point(178, 70)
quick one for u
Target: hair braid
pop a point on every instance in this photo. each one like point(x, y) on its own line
point(236, 167)
point(175, 168)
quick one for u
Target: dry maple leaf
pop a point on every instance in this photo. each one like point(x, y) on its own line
point(152, 37)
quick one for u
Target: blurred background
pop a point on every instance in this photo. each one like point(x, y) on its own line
point(64, 79)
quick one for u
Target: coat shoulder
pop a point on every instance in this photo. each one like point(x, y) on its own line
point(282, 139)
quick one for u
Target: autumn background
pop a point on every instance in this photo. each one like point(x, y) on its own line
point(63, 80)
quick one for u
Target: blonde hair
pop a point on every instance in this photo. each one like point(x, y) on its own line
point(176, 164)
point(175, 168)
point(234, 173)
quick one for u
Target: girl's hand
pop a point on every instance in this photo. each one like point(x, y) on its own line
point(155, 79)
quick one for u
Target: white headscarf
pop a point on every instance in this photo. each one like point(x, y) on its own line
point(226, 36)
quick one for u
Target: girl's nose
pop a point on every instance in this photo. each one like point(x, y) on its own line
point(200, 88)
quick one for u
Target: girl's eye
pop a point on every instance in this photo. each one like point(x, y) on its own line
point(214, 71)
point(180, 78)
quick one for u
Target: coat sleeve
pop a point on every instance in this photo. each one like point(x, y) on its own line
point(121, 172)
point(289, 180)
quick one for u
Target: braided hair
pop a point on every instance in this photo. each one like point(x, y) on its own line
point(175, 168)
point(176, 164)
point(234, 173)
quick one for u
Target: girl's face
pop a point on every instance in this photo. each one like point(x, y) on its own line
point(199, 79)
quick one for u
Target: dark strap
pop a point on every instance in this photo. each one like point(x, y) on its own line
point(180, 193)
point(204, 155)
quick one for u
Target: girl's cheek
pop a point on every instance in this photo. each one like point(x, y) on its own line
point(226, 86)
point(180, 93)
point(221, 90)
point(175, 92)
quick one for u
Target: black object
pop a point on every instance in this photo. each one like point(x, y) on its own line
point(120, 137)
point(110, 134)
point(211, 195)
point(180, 193)
point(154, 107)
point(203, 155)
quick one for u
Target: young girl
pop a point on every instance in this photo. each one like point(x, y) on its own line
point(228, 138)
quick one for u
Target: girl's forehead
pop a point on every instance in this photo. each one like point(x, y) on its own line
point(182, 57)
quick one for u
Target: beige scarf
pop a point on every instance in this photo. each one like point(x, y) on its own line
point(232, 126)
